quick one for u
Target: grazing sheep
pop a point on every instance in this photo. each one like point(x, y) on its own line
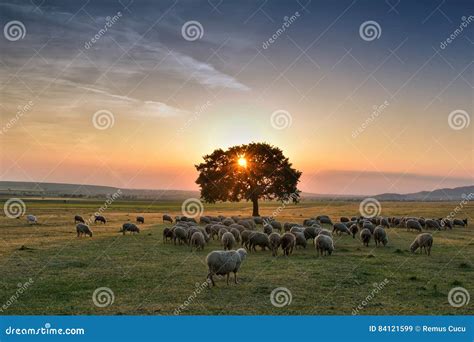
point(432, 224)
point(167, 234)
point(309, 222)
point(380, 236)
point(258, 239)
point(244, 236)
point(354, 229)
point(228, 221)
point(287, 243)
point(228, 241)
point(258, 220)
point(276, 225)
point(83, 229)
point(205, 219)
point(140, 219)
point(167, 218)
point(341, 228)
point(225, 262)
point(221, 232)
point(458, 222)
point(267, 229)
point(446, 223)
point(297, 230)
point(368, 225)
point(237, 226)
point(236, 233)
point(79, 219)
point(325, 232)
point(100, 218)
point(31, 219)
point(198, 240)
point(324, 245)
point(413, 224)
point(274, 243)
point(179, 234)
point(300, 240)
point(422, 241)
point(365, 236)
point(130, 227)
point(324, 220)
point(384, 222)
point(288, 225)
point(344, 219)
point(311, 232)
point(249, 224)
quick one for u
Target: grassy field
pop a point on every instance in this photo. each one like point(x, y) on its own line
point(148, 277)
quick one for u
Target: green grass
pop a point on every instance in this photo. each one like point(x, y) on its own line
point(149, 277)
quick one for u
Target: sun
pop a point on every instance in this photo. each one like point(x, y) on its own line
point(242, 161)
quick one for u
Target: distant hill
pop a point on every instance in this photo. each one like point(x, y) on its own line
point(96, 191)
point(446, 194)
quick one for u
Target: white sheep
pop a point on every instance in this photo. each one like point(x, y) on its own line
point(225, 262)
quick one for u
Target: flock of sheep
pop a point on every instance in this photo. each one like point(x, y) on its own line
point(235, 230)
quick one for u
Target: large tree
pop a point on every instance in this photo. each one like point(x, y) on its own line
point(248, 172)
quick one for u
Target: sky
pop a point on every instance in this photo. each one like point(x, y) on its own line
point(363, 97)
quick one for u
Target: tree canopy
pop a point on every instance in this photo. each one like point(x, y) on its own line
point(248, 172)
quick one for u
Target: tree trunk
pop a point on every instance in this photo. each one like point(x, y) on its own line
point(255, 206)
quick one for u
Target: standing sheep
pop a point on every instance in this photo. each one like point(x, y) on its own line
point(258, 239)
point(413, 224)
point(83, 229)
point(225, 262)
point(354, 229)
point(130, 227)
point(236, 233)
point(287, 243)
point(198, 240)
point(180, 235)
point(422, 241)
point(274, 243)
point(365, 236)
point(79, 219)
point(341, 228)
point(380, 236)
point(324, 245)
point(140, 219)
point(167, 234)
point(228, 241)
point(300, 240)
